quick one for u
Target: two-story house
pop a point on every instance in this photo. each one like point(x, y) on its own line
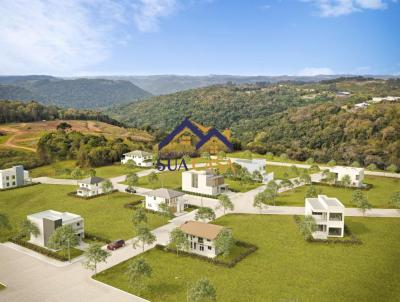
point(139, 158)
point(356, 175)
point(201, 237)
point(174, 199)
point(328, 214)
point(203, 182)
point(48, 221)
point(91, 186)
point(13, 177)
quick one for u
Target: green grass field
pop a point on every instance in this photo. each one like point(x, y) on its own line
point(73, 251)
point(285, 267)
point(53, 169)
point(237, 187)
point(379, 195)
point(104, 216)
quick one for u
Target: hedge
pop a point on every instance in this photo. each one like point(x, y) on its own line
point(336, 185)
point(133, 204)
point(38, 249)
point(251, 248)
point(23, 186)
point(352, 240)
point(200, 194)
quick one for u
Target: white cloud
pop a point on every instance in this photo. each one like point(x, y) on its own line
point(314, 71)
point(334, 8)
point(148, 13)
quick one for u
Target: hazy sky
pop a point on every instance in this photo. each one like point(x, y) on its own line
point(247, 37)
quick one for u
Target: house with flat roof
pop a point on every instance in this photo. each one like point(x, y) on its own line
point(252, 165)
point(91, 186)
point(174, 199)
point(13, 177)
point(48, 221)
point(203, 182)
point(201, 237)
point(356, 175)
point(139, 158)
point(328, 214)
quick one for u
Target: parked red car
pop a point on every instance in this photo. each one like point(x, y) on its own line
point(112, 246)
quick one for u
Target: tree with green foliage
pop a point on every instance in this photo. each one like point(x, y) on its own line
point(225, 203)
point(314, 168)
point(372, 167)
point(221, 155)
point(359, 200)
point(307, 226)
point(166, 210)
point(27, 228)
point(395, 200)
point(392, 168)
point(152, 178)
point(204, 213)
point(4, 222)
point(269, 156)
point(332, 163)
point(139, 216)
point(345, 181)
point(355, 164)
point(310, 161)
point(203, 290)
point(107, 186)
point(138, 270)
point(92, 172)
point(132, 180)
point(76, 173)
point(256, 175)
point(130, 164)
point(94, 255)
point(63, 238)
point(286, 183)
point(294, 170)
point(311, 192)
point(330, 177)
point(305, 178)
point(144, 236)
point(224, 242)
point(178, 240)
point(260, 201)
point(63, 126)
point(283, 156)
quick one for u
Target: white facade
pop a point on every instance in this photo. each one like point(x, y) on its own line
point(356, 175)
point(252, 165)
point(174, 199)
point(13, 177)
point(328, 214)
point(139, 158)
point(387, 98)
point(203, 182)
point(91, 186)
point(201, 237)
point(48, 221)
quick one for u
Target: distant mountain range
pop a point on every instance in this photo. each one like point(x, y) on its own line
point(76, 93)
point(165, 84)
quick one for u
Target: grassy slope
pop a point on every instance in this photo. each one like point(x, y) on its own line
point(285, 268)
point(104, 216)
point(379, 196)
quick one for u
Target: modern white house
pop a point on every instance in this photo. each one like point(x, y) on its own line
point(328, 214)
point(48, 221)
point(174, 199)
point(252, 165)
point(361, 105)
point(356, 175)
point(203, 182)
point(91, 186)
point(139, 158)
point(201, 237)
point(13, 177)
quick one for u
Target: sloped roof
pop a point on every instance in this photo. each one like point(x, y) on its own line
point(164, 193)
point(201, 229)
point(91, 180)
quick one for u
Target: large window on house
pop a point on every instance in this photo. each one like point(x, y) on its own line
point(201, 247)
point(200, 240)
point(335, 216)
point(335, 231)
point(316, 213)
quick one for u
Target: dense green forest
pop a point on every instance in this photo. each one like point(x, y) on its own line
point(16, 111)
point(89, 150)
point(326, 131)
point(75, 93)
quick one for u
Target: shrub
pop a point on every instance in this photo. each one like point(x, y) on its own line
point(90, 236)
point(38, 249)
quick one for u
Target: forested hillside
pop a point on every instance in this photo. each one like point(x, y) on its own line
point(77, 93)
point(326, 131)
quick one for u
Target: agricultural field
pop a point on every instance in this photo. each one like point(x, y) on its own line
point(104, 216)
point(379, 195)
point(284, 268)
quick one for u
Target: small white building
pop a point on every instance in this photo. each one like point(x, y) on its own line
point(13, 177)
point(174, 199)
point(91, 186)
point(387, 98)
point(252, 165)
point(328, 214)
point(201, 237)
point(48, 221)
point(361, 105)
point(203, 182)
point(139, 158)
point(356, 175)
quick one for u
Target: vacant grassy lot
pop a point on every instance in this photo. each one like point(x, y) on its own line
point(236, 186)
point(55, 170)
point(104, 216)
point(285, 267)
point(379, 195)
